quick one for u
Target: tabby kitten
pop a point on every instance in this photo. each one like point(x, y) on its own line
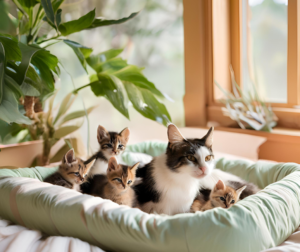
point(170, 182)
point(112, 144)
point(71, 172)
point(116, 184)
point(221, 196)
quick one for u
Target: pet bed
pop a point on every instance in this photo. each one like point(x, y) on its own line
point(258, 222)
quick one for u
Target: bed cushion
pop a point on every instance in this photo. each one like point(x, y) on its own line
point(258, 222)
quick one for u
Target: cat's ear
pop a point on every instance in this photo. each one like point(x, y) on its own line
point(209, 137)
point(125, 133)
point(134, 167)
point(101, 133)
point(90, 164)
point(174, 134)
point(240, 190)
point(219, 186)
point(69, 158)
point(112, 164)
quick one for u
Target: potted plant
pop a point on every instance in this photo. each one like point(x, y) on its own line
point(28, 72)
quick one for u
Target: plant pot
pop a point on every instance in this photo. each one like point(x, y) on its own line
point(21, 154)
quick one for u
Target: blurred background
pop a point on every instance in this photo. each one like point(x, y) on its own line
point(154, 40)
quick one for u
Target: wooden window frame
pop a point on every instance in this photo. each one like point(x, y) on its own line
point(199, 103)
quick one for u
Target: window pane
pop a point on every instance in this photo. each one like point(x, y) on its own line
point(265, 48)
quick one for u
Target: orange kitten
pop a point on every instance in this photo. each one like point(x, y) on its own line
point(221, 196)
point(116, 184)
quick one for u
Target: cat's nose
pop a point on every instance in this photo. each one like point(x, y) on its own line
point(203, 169)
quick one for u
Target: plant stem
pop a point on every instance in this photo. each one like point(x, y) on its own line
point(78, 89)
point(55, 37)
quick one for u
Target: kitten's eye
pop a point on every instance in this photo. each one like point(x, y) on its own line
point(232, 202)
point(207, 158)
point(222, 198)
point(107, 146)
point(118, 179)
point(84, 175)
point(191, 158)
point(129, 182)
point(121, 146)
point(76, 174)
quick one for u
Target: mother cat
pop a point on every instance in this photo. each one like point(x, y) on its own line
point(171, 181)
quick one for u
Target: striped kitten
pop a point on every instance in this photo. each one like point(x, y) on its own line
point(116, 185)
point(170, 182)
point(221, 196)
point(112, 144)
point(71, 172)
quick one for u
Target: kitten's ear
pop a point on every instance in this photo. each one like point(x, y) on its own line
point(125, 133)
point(240, 190)
point(101, 133)
point(112, 164)
point(219, 186)
point(134, 167)
point(90, 164)
point(209, 137)
point(174, 134)
point(69, 158)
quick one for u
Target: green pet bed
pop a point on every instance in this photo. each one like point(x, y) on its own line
point(258, 222)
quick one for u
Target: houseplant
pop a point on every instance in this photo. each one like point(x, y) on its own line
point(28, 70)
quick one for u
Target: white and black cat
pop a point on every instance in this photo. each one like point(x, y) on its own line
point(170, 182)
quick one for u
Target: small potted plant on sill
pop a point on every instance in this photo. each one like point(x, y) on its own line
point(28, 72)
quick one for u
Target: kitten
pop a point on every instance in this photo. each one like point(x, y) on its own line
point(112, 144)
point(170, 182)
point(71, 172)
point(221, 196)
point(116, 184)
point(230, 180)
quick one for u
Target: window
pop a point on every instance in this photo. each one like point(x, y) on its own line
point(259, 38)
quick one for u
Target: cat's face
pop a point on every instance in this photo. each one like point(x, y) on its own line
point(112, 143)
point(120, 176)
point(225, 196)
point(74, 169)
point(192, 156)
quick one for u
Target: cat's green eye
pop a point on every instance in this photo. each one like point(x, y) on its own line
point(76, 174)
point(118, 179)
point(232, 202)
point(191, 158)
point(129, 182)
point(222, 198)
point(121, 146)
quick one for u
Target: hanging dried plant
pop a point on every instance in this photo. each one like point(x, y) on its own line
point(247, 109)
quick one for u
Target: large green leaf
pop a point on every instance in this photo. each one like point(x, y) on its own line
point(12, 50)
point(103, 22)
point(66, 130)
point(45, 63)
point(81, 51)
point(77, 25)
point(114, 91)
point(76, 115)
point(2, 70)
point(146, 104)
point(47, 5)
point(56, 4)
point(58, 17)
point(26, 5)
point(95, 61)
point(9, 108)
point(113, 65)
point(65, 105)
point(10, 82)
point(27, 53)
point(133, 74)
